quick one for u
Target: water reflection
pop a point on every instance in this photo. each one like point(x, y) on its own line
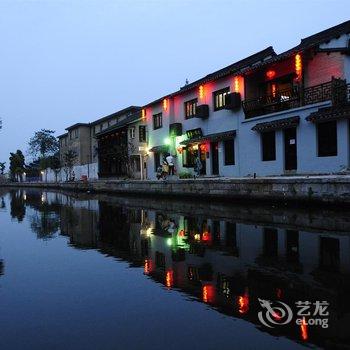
point(221, 257)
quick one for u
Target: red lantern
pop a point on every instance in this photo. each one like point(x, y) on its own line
point(270, 74)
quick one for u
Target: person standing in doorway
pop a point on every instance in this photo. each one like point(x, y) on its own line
point(170, 160)
point(198, 166)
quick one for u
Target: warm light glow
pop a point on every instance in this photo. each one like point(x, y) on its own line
point(236, 84)
point(201, 91)
point(181, 233)
point(169, 278)
point(303, 330)
point(273, 90)
point(270, 74)
point(298, 66)
point(203, 148)
point(208, 292)
point(206, 236)
point(197, 237)
point(147, 266)
point(149, 231)
point(165, 104)
point(179, 150)
point(143, 113)
point(195, 147)
point(243, 303)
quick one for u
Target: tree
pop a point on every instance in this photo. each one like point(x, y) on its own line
point(17, 165)
point(55, 165)
point(68, 162)
point(43, 144)
point(2, 168)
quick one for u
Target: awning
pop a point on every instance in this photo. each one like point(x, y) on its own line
point(277, 124)
point(159, 149)
point(211, 137)
point(329, 113)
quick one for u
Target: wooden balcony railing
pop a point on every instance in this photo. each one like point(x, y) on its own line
point(336, 91)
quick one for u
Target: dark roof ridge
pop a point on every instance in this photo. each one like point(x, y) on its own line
point(327, 34)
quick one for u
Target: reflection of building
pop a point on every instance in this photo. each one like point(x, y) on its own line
point(232, 265)
point(225, 263)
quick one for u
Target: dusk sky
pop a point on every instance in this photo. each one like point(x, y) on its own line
point(68, 61)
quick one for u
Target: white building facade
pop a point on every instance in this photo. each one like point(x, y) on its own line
point(267, 114)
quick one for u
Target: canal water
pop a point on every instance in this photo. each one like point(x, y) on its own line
point(81, 271)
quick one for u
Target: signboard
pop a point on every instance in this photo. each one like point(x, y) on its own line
point(194, 133)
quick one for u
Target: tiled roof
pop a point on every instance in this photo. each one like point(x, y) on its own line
point(128, 120)
point(76, 125)
point(130, 109)
point(211, 137)
point(329, 113)
point(309, 42)
point(234, 68)
point(277, 124)
point(163, 148)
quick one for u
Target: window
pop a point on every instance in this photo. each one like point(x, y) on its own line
point(101, 127)
point(76, 133)
point(190, 108)
point(157, 121)
point(220, 98)
point(132, 132)
point(327, 139)
point(142, 133)
point(268, 141)
point(229, 146)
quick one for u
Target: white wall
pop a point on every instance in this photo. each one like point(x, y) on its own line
point(89, 170)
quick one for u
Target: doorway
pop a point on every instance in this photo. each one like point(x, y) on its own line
point(202, 157)
point(214, 158)
point(290, 149)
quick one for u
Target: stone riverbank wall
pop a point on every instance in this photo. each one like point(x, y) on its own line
point(289, 189)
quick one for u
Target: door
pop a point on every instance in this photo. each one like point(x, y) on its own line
point(202, 157)
point(290, 149)
point(214, 158)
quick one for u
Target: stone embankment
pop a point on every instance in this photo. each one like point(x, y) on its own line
point(315, 189)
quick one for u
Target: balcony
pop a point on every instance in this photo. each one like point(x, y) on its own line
point(336, 91)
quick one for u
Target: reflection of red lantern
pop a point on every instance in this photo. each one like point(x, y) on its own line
point(206, 236)
point(147, 266)
point(303, 330)
point(208, 292)
point(169, 278)
point(179, 150)
point(270, 74)
point(243, 303)
point(181, 233)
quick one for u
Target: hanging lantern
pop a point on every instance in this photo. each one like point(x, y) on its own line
point(201, 91)
point(298, 66)
point(270, 74)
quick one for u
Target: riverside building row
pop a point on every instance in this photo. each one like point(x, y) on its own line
point(267, 114)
